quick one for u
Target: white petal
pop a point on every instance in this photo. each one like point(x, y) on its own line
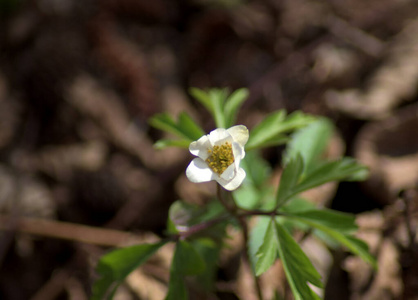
point(219, 136)
point(229, 173)
point(238, 153)
point(239, 133)
point(235, 182)
point(200, 147)
point(199, 171)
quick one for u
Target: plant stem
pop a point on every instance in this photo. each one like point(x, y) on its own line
point(194, 229)
point(244, 226)
point(200, 227)
point(231, 210)
point(241, 219)
point(408, 197)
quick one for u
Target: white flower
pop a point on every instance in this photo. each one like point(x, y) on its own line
point(218, 157)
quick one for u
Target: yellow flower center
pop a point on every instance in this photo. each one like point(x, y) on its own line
point(221, 157)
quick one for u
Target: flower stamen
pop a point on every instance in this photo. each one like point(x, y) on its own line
point(221, 157)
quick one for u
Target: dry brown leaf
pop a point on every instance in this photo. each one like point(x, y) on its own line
point(103, 105)
point(367, 284)
point(146, 287)
point(60, 161)
point(389, 148)
point(392, 84)
point(24, 195)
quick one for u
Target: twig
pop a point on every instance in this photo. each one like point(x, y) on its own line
point(367, 43)
point(408, 198)
point(53, 287)
point(103, 236)
point(70, 231)
point(8, 237)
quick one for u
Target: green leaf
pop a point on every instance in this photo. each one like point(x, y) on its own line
point(256, 190)
point(185, 128)
point(161, 144)
point(289, 180)
point(257, 169)
point(266, 130)
point(310, 142)
point(267, 253)
point(166, 123)
point(116, 265)
point(233, 103)
point(275, 141)
point(213, 100)
point(257, 233)
point(339, 233)
point(343, 169)
point(218, 97)
point(272, 128)
point(297, 266)
point(209, 251)
point(182, 214)
point(297, 205)
point(176, 288)
point(358, 247)
point(247, 197)
point(189, 127)
point(338, 221)
point(186, 261)
point(203, 97)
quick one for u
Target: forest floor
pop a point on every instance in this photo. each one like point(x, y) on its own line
point(79, 81)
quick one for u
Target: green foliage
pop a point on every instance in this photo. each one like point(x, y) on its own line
point(186, 262)
point(199, 230)
point(309, 142)
point(185, 128)
point(273, 129)
point(220, 104)
point(267, 253)
point(232, 105)
point(257, 169)
point(290, 179)
point(339, 227)
point(209, 251)
point(343, 169)
point(298, 268)
point(292, 182)
point(304, 167)
point(115, 266)
point(342, 222)
point(183, 215)
point(255, 191)
point(256, 239)
point(164, 143)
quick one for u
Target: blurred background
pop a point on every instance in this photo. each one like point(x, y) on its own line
point(79, 174)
